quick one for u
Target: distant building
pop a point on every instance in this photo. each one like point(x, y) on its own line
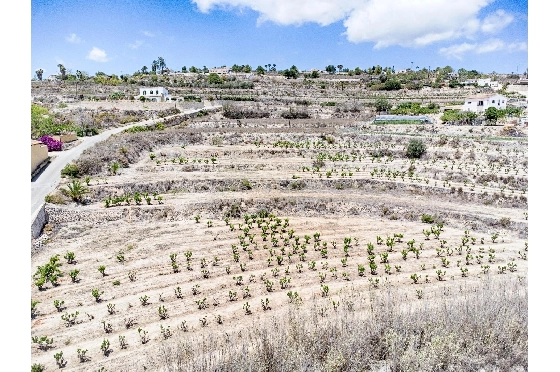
point(479, 103)
point(483, 82)
point(480, 82)
point(220, 70)
point(154, 94)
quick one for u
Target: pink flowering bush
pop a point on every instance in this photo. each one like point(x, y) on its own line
point(52, 144)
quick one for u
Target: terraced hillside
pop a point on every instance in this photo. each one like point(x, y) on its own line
point(216, 241)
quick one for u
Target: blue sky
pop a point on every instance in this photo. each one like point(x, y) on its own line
point(121, 36)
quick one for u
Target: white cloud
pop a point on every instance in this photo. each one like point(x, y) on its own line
point(413, 23)
point(457, 51)
point(148, 34)
point(517, 47)
point(492, 45)
point(136, 44)
point(408, 23)
point(73, 38)
point(97, 55)
point(496, 21)
point(289, 12)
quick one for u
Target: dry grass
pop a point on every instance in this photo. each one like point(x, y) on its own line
point(479, 326)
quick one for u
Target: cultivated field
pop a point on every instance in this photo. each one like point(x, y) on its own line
point(275, 244)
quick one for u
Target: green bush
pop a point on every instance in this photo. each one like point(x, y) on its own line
point(382, 104)
point(37, 367)
point(416, 148)
point(70, 170)
point(214, 78)
point(392, 85)
point(451, 116)
point(426, 218)
point(246, 185)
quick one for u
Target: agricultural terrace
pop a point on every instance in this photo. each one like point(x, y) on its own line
point(281, 244)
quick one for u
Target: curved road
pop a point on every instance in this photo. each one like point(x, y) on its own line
point(49, 178)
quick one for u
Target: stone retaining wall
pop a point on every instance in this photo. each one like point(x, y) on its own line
point(293, 206)
point(38, 222)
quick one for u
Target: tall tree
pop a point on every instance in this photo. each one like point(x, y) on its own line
point(339, 68)
point(62, 71)
point(144, 69)
point(161, 64)
point(260, 70)
point(154, 65)
point(292, 73)
point(39, 74)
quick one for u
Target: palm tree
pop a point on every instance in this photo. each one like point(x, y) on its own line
point(39, 74)
point(144, 69)
point(76, 190)
point(161, 64)
point(62, 71)
point(339, 68)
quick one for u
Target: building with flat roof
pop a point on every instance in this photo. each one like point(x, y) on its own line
point(479, 103)
point(154, 94)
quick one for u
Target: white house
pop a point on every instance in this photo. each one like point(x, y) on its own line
point(483, 82)
point(479, 103)
point(155, 94)
point(220, 70)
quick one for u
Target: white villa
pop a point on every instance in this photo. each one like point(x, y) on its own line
point(479, 103)
point(155, 94)
point(220, 70)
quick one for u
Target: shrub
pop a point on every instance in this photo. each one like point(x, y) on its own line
point(52, 144)
point(70, 170)
point(392, 85)
point(295, 114)
point(426, 218)
point(415, 148)
point(37, 367)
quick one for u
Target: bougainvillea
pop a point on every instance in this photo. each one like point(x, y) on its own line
point(52, 144)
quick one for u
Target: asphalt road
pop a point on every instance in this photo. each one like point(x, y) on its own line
point(49, 178)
